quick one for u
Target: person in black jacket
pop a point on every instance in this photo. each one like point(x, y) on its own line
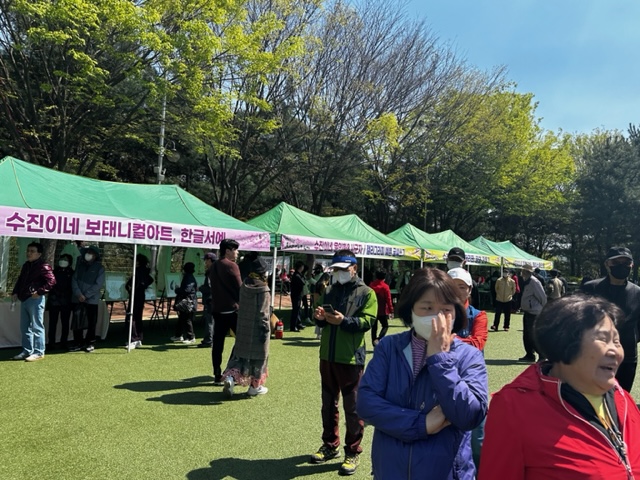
point(187, 289)
point(205, 289)
point(617, 289)
point(60, 301)
point(297, 286)
point(143, 280)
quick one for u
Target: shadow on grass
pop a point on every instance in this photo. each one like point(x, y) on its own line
point(502, 362)
point(302, 342)
point(194, 398)
point(199, 398)
point(273, 469)
point(163, 385)
point(163, 347)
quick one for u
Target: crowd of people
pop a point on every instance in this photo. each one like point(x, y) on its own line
point(569, 415)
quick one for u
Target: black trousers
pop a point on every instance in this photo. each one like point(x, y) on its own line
point(384, 321)
point(626, 375)
point(222, 323)
point(294, 321)
point(136, 328)
point(184, 327)
point(502, 307)
point(63, 313)
point(92, 318)
point(527, 334)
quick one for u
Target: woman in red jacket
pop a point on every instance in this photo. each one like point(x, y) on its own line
point(566, 418)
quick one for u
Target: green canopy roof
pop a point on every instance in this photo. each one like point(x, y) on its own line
point(475, 255)
point(376, 240)
point(434, 250)
point(295, 230)
point(512, 255)
point(40, 202)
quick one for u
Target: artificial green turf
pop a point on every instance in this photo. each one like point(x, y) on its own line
point(154, 413)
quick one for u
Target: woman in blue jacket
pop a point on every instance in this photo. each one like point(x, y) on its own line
point(425, 390)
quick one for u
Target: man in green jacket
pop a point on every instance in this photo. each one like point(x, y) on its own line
point(348, 309)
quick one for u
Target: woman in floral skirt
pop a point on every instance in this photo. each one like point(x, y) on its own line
point(248, 363)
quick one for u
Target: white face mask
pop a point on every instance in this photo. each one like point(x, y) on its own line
point(423, 325)
point(451, 264)
point(342, 276)
point(63, 264)
point(88, 257)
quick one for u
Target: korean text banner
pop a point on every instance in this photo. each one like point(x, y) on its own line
point(25, 222)
point(297, 243)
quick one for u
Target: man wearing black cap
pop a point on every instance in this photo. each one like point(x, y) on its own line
point(626, 295)
point(456, 258)
point(225, 295)
point(348, 309)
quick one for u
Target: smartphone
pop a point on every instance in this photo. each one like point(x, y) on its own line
point(328, 308)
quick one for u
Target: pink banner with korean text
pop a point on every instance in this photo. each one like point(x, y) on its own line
point(33, 223)
point(322, 246)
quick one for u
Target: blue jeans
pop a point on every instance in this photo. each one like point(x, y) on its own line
point(32, 325)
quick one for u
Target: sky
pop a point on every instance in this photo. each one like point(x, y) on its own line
point(580, 58)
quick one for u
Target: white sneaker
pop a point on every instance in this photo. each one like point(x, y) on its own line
point(177, 339)
point(131, 346)
point(138, 343)
point(261, 390)
point(34, 357)
point(189, 341)
point(20, 356)
point(228, 386)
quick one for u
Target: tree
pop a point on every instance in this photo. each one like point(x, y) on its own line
point(66, 68)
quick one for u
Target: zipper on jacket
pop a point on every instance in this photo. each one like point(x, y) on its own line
point(622, 456)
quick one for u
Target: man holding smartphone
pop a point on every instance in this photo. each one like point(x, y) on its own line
point(348, 309)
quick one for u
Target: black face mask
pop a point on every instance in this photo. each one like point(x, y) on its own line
point(621, 272)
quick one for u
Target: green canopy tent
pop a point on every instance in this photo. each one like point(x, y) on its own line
point(433, 250)
point(474, 255)
point(377, 244)
point(38, 202)
point(294, 230)
point(43, 203)
point(512, 255)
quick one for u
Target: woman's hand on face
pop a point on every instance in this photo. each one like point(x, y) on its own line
point(436, 420)
point(441, 336)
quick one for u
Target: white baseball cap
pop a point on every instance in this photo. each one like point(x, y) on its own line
point(461, 274)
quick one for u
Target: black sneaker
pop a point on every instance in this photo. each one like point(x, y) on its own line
point(218, 381)
point(527, 358)
point(350, 464)
point(75, 348)
point(323, 454)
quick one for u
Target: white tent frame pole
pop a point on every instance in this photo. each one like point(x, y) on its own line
point(133, 296)
point(273, 272)
point(422, 258)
